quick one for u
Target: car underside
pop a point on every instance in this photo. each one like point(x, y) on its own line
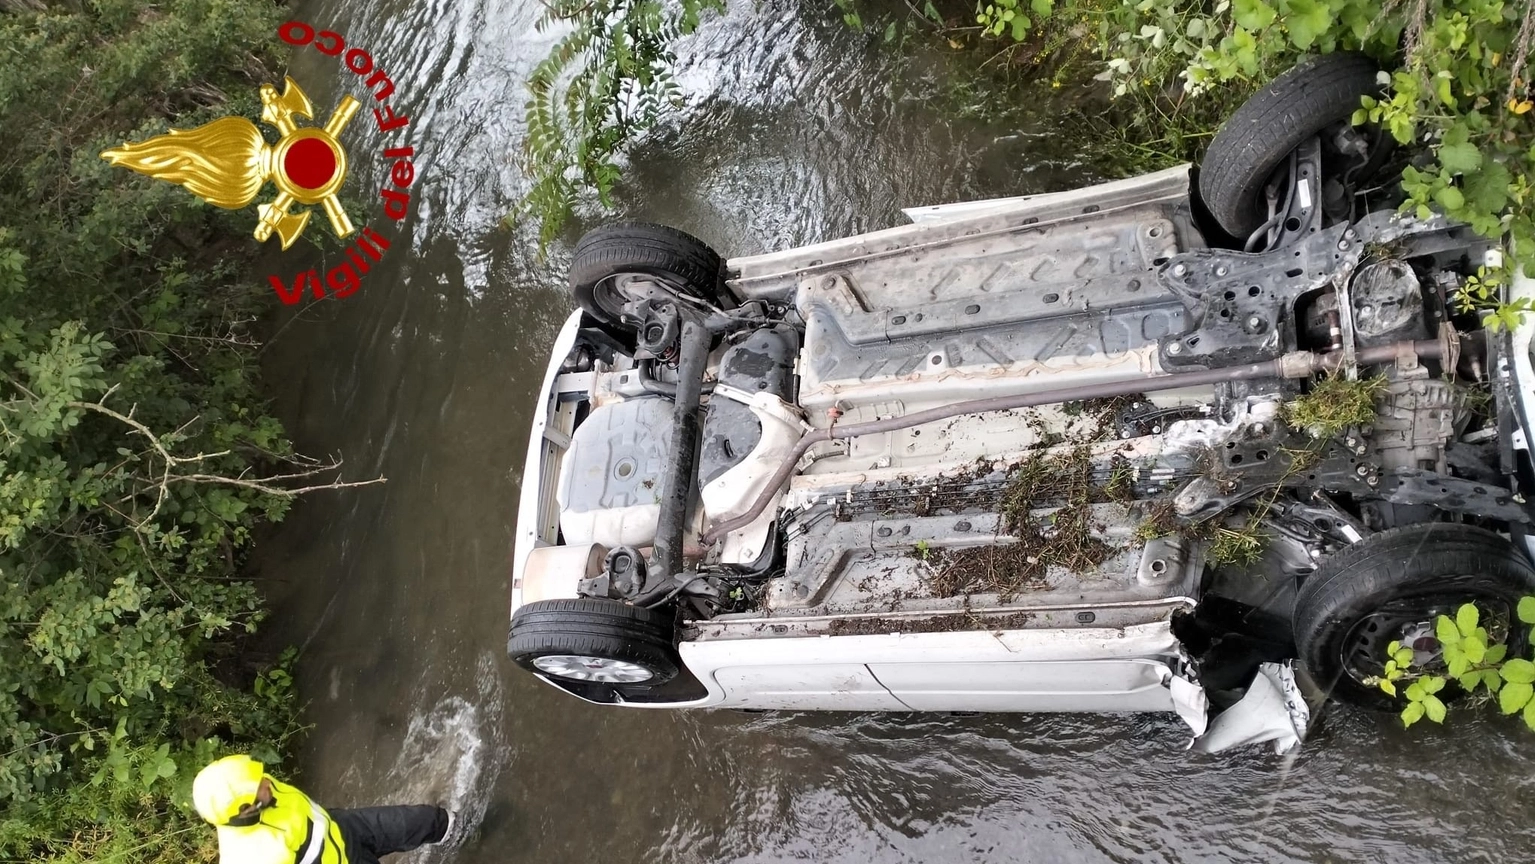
point(1132, 447)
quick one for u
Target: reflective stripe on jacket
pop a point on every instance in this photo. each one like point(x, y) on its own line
point(294, 830)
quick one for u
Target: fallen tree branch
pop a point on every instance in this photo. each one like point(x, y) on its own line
point(272, 490)
point(264, 485)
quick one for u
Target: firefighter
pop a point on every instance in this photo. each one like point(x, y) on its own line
point(264, 821)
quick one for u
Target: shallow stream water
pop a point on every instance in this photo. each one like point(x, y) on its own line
point(797, 130)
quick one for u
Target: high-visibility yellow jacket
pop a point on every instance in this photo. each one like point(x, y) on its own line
point(294, 830)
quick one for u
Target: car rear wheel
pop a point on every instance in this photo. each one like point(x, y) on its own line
point(593, 640)
point(1392, 586)
point(1318, 92)
point(617, 264)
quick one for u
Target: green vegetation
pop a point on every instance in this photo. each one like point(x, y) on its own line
point(1334, 404)
point(602, 84)
point(1483, 293)
point(1240, 546)
point(1458, 70)
point(1475, 658)
point(136, 462)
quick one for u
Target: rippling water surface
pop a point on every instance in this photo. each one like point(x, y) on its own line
point(797, 130)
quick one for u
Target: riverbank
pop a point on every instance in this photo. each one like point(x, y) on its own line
point(139, 461)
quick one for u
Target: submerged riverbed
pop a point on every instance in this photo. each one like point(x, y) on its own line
point(798, 130)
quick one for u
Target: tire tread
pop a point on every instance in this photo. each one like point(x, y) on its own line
point(595, 627)
point(641, 247)
point(1317, 92)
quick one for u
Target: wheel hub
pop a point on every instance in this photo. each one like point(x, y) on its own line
point(1409, 622)
point(605, 670)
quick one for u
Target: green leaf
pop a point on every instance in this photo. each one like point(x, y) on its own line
point(1446, 631)
point(1529, 714)
point(1252, 14)
point(1514, 696)
point(1474, 649)
point(1518, 671)
point(1402, 656)
point(1460, 158)
point(1527, 610)
point(1388, 687)
point(1415, 692)
point(1432, 684)
point(1466, 618)
point(1244, 48)
point(1487, 190)
point(1491, 680)
point(1306, 20)
point(1434, 708)
point(1412, 713)
point(1469, 681)
point(1042, 8)
point(1495, 654)
point(1442, 90)
point(1020, 28)
point(1450, 198)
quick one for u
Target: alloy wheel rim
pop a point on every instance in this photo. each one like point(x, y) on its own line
point(605, 670)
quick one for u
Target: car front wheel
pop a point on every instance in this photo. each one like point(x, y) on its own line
point(617, 264)
point(1255, 141)
point(593, 640)
point(1392, 586)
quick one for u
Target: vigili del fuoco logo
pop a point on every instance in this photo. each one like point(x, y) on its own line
point(228, 162)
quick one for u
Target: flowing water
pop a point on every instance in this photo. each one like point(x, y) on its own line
point(797, 130)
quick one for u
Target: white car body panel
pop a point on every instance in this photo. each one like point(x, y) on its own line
point(536, 511)
point(1091, 669)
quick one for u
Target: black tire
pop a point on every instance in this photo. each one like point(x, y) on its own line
point(1411, 572)
point(682, 262)
point(594, 628)
point(1316, 93)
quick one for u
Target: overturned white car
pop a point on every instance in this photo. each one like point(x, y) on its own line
point(1133, 447)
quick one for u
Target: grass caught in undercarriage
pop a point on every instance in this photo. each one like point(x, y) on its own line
point(1334, 404)
point(1241, 546)
point(1064, 538)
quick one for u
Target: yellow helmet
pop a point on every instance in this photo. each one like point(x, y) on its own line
point(224, 786)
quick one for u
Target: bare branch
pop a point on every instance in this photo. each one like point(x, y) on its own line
point(271, 490)
point(264, 485)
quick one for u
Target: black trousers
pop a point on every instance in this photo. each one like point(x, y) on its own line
point(370, 832)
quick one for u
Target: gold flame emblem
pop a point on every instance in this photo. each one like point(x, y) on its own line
point(227, 162)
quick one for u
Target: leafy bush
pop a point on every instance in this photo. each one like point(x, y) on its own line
point(136, 461)
point(603, 83)
point(1474, 658)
